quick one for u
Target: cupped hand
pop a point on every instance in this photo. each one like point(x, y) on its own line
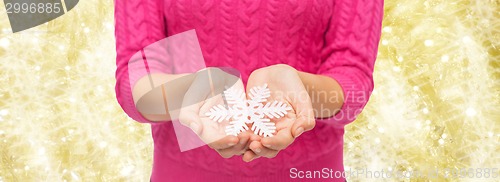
point(287, 87)
point(204, 93)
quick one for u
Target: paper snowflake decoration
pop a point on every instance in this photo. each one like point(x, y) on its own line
point(242, 111)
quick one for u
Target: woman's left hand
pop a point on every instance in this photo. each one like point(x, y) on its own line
point(286, 86)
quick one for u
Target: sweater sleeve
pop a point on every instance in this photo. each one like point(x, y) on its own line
point(137, 24)
point(351, 43)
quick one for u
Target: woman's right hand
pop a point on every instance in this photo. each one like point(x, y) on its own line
point(204, 93)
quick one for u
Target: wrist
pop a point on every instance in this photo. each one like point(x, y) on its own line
point(326, 94)
point(306, 78)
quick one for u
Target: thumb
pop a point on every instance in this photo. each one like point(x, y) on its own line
point(305, 119)
point(302, 123)
point(189, 117)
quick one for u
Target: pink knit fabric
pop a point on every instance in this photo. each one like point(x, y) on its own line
point(336, 38)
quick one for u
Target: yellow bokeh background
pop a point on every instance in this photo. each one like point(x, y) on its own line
point(436, 103)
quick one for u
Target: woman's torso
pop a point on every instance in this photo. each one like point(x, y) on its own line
point(248, 35)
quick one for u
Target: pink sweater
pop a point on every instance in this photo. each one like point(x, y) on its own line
point(336, 38)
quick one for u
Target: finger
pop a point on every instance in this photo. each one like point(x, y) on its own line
point(231, 151)
point(224, 143)
point(278, 142)
point(189, 117)
point(255, 137)
point(260, 150)
point(249, 156)
point(302, 123)
point(226, 153)
point(239, 148)
point(305, 114)
point(244, 138)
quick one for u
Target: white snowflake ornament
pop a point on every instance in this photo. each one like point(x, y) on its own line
point(242, 111)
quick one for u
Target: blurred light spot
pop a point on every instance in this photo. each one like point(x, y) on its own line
point(4, 112)
point(416, 88)
point(418, 125)
point(99, 88)
point(429, 43)
point(445, 58)
point(67, 68)
point(27, 168)
point(114, 152)
point(109, 25)
point(41, 151)
point(75, 176)
point(4, 42)
point(103, 144)
point(470, 112)
point(444, 136)
point(377, 140)
point(400, 58)
point(426, 4)
point(381, 130)
point(425, 110)
point(396, 69)
point(127, 170)
point(385, 42)
point(86, 30)
point(441, 141)
point(387, 29)
point(439, 30)
point(467, 39)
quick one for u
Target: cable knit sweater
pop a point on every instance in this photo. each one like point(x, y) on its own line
point(336, 38)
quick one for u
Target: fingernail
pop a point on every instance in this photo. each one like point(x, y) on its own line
point(299, 131)
point(231, 144)
point(243, 141)
point(267, 145)
point(257, 150)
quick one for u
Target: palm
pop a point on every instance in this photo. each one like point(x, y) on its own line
point(285, 86)
point(212, 130)
point(205, 93)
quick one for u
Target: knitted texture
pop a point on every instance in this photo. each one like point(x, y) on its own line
point(336, 38)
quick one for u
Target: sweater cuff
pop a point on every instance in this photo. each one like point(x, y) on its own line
point(125, 99)
point(355, 98)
